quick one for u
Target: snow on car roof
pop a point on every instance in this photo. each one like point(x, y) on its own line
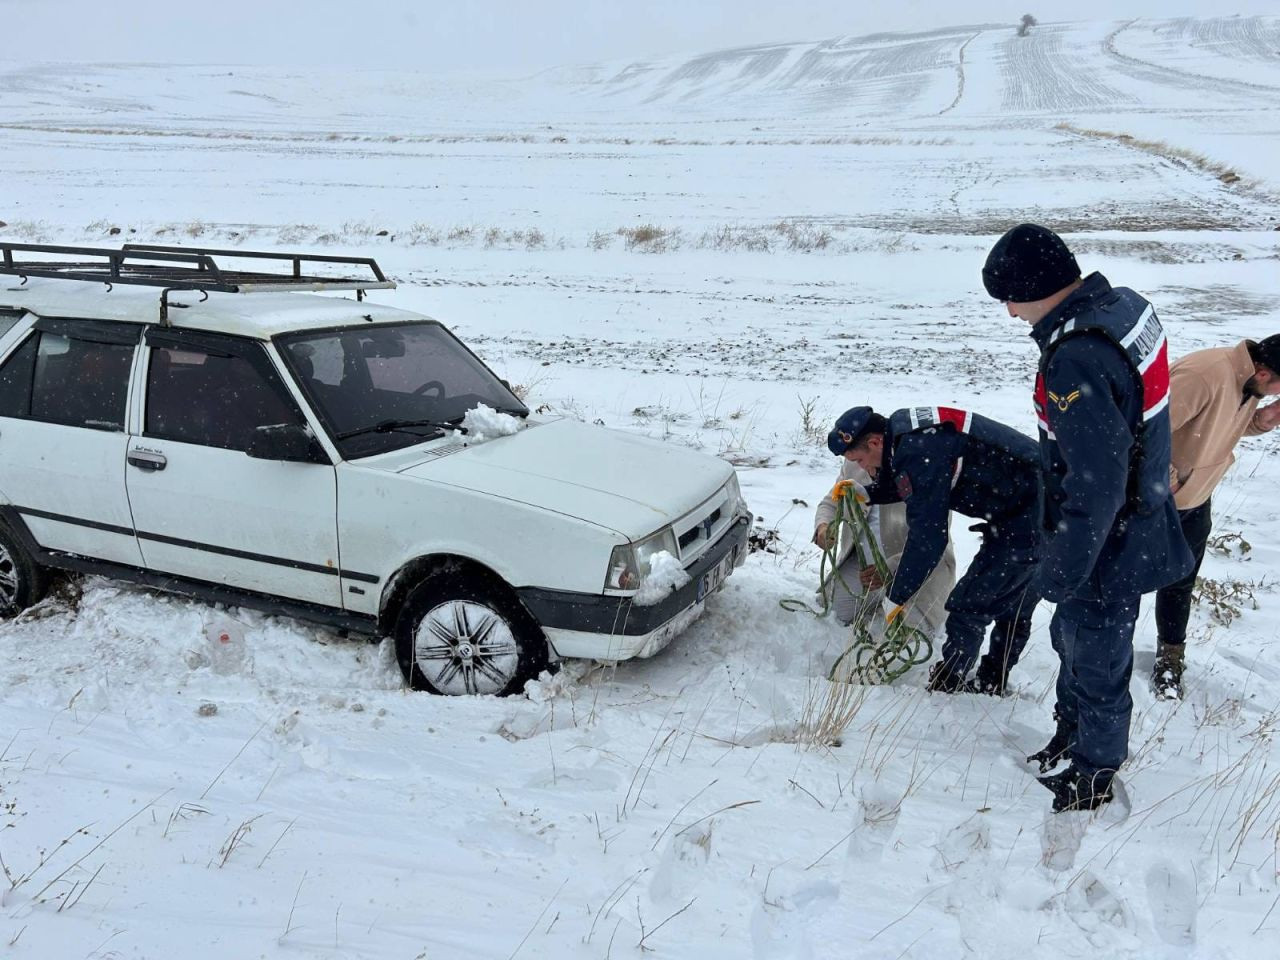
point(257, 315)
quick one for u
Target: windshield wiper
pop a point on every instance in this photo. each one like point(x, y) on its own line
point(388, 426)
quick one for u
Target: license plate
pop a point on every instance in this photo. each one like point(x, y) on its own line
point(713, 579)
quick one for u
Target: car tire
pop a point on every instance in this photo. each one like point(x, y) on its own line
point(461, 633)
point(22, 580)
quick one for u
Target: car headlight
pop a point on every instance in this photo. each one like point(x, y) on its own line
point(737, 501)
point(629, 563)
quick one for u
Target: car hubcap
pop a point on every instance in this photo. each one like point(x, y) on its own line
point(464, 647)
point(8, 580)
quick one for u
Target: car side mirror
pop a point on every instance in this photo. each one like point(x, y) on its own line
point(290, 442)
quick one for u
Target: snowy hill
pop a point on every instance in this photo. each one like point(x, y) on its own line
point(979, 69)
point(722, 251)
point(1060, 66)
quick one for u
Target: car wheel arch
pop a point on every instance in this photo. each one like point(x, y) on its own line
point(402, 583)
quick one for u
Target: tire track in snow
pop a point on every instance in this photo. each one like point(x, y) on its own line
point(1040, 76)
point(1239, 39)
point(960, 76)
point(1158, 73)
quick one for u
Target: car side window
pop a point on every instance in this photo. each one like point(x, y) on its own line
point(7, 319)
point(80, 383)
point(67, 380)
point(197, 394)
point(15, 379)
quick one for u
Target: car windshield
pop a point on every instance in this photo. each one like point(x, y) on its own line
point(379, 388)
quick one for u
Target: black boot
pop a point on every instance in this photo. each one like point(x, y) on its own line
point(989, 678)
point(1055, 751)
point(1074, 789)
point(1166, 675)
point(942, 679)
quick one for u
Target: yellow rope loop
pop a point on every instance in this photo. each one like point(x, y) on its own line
point(845, 494)
point(903, 646)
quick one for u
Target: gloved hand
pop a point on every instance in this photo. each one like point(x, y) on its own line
point(847, 488)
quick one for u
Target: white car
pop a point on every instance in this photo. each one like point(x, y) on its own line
point(306, 455)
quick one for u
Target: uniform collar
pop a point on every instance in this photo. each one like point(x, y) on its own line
point(1093, 287)
point(884, 479)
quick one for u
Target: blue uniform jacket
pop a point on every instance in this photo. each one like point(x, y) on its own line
point(991, 473)
point(1102, 541)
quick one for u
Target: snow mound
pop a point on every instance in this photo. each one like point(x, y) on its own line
point(665, 575)
point(485, 423)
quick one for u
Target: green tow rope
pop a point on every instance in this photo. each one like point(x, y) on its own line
point(902, 647)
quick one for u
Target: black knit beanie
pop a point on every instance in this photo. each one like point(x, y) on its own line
point(1267, 352)
point(1029, 263)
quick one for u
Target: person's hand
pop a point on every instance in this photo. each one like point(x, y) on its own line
point(822, 537)
point(870, 578)
point(1269, 416)
point(847, 488)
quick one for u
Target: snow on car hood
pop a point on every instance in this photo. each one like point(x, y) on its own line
point(618, 480)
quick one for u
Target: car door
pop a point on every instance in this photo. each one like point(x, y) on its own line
point(63, 410)
point(203, 507)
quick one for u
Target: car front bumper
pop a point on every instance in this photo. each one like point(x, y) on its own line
point(602, 627)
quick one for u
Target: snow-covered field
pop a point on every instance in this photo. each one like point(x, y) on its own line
point(724, 251)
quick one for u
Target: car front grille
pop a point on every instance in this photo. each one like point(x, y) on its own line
point(702, 526)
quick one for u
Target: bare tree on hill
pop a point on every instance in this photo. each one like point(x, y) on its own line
point(1028, 21)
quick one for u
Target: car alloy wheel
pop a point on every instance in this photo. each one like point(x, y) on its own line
point(463, 647)
point(22, 580)
point(8, 581)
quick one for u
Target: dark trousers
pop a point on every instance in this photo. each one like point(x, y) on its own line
point(996, 587)
point(1009, 636)
point(1173, 603)
point(1094, 641)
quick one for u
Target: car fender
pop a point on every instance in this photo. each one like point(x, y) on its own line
point(387, 522)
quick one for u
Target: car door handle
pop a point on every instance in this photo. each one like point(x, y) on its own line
point(147, 461)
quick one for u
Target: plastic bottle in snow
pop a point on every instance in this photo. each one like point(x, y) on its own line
point(225, 645)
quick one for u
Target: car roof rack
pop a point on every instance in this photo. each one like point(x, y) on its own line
point(185, 268)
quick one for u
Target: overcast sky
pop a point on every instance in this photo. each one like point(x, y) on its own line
point(504, 36)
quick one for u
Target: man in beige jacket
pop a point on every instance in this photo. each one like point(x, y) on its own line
point(1213, 402)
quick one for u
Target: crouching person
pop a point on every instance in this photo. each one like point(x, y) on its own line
point(856, 591)
point(938, 459)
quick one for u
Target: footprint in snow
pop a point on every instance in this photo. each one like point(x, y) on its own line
point(683, 860)
point(791, 908)
point(1061, 838)
point(1171, 891)
point(1064, 832)
point(874, 823)
point(968, 843)
point(1090, 901)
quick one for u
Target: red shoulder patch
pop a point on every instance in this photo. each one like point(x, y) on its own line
point(904, 486)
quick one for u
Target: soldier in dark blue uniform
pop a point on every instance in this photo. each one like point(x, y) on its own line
point(1112, 531)
point(939, 459)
